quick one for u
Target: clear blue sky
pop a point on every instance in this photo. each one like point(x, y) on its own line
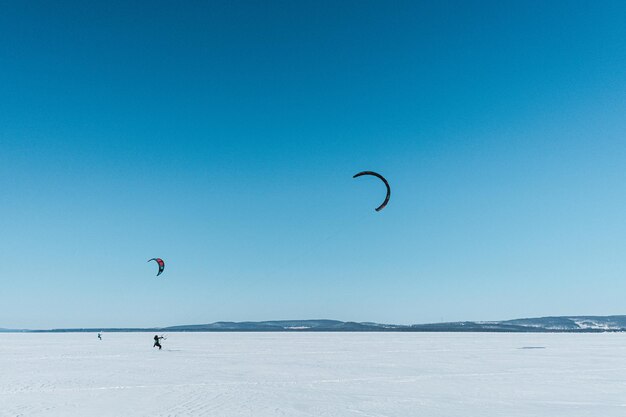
point(222, 136)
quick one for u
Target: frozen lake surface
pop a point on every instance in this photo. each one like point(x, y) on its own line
point(314, 374)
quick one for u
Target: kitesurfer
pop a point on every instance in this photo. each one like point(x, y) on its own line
point(100, 336)
point(157, 340)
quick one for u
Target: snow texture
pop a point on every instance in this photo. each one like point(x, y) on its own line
point(314, 374)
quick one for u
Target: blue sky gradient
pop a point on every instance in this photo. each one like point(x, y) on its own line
point(222, 136)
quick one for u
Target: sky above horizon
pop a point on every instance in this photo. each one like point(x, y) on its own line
point(222, 136)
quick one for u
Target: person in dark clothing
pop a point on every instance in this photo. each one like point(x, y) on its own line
point(99, 336)
point(157, 340)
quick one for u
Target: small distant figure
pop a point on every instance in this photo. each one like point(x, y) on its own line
point(157, 341)
point(100, 336)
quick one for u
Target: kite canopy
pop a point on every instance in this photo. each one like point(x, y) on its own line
point(161, 264)
point(377, 175)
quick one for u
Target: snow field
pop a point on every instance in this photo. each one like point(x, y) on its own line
point(313, 374)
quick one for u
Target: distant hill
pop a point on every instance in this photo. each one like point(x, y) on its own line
point(11, 330)
point(284, 325)
point(537, 325)
point(574, 323)
point(579, 324)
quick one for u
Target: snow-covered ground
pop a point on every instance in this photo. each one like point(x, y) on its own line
point(314, 374)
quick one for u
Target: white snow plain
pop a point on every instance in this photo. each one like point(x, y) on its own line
point(313, 374)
